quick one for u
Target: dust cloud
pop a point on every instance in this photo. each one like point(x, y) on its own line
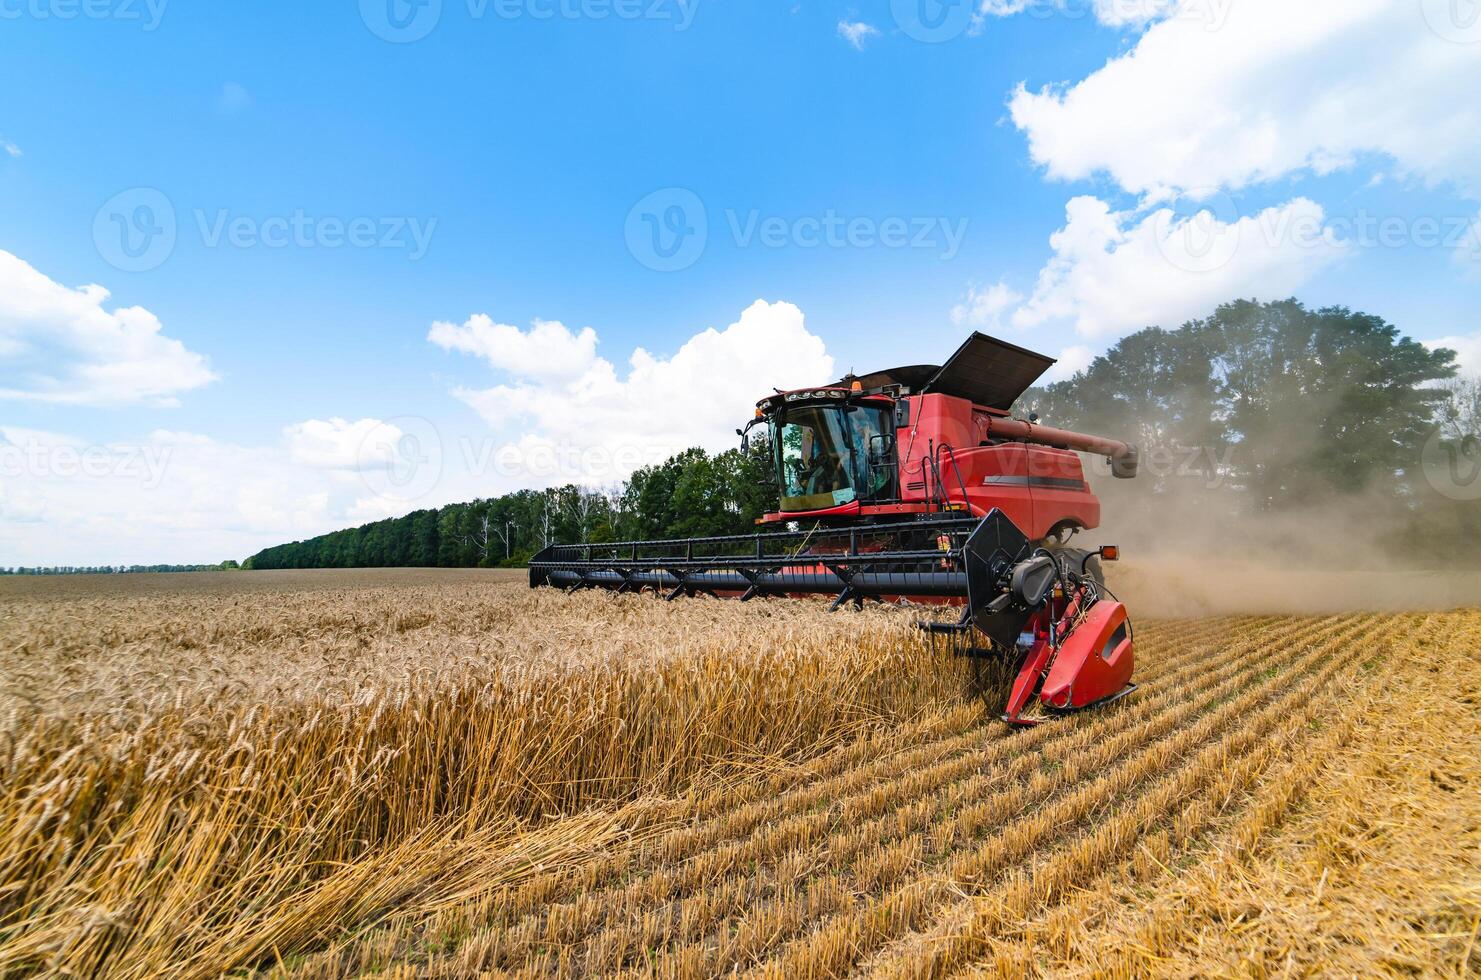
point(1189, 550)
point(1172, 586)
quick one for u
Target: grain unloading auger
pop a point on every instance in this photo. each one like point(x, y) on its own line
point(916, 484)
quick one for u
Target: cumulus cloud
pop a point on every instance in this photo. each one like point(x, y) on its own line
point(600, 425)
point(1071, 361)
point(1277, 88)
point(175, 496)
point(547, 351)
point(856, 32)
point(60, 345)
point(1467, 351)
point(1115, 272)
point(338, 444)
point(984, 307)
point(172, 496)
point(1112, 13)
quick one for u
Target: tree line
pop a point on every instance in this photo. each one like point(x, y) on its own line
point(691, 494)
point(230, 565)
point(1267, 408)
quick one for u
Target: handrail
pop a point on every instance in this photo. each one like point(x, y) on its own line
point(958, 470)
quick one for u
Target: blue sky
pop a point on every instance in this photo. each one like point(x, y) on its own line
point(494, 166)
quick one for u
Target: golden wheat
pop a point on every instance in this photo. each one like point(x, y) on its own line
point(429, 773)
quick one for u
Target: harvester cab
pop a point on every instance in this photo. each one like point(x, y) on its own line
point(916, 484)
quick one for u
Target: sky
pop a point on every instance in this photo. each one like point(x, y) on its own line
point(271, 269)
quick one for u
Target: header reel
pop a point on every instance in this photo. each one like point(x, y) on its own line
point(1042, 605)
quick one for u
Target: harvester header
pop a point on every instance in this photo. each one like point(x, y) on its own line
point(916, 483)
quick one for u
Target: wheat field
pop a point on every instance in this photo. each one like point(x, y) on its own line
point(442, 773)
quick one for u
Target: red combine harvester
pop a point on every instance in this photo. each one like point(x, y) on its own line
point(916, 484)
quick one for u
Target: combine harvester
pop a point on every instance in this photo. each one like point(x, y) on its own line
point(916, 484)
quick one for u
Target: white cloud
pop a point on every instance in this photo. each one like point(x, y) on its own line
point(1467, 351)
point(11, 150)
point(60, 345)
point(984, 307)
point(1071, 360)
point(598, 426)
point(1112, 13)
point(856, 32)
point(337, 444)
point(1132, 13)
point(547, 351)
point(1115, 272)
point(1277, 88)
point(172, 496)
point(185, 497)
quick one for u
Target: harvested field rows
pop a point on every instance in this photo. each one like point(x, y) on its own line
point(911, 835)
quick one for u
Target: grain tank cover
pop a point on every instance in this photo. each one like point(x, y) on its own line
point(989, 372)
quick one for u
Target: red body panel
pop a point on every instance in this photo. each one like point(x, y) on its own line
point(1094, 662)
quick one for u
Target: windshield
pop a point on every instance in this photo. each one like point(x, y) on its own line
point(824, 455)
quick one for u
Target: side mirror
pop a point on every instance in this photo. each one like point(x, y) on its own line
point(879, 449)
point(744, 434)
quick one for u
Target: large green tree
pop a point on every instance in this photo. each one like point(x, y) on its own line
point(1296, 404)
